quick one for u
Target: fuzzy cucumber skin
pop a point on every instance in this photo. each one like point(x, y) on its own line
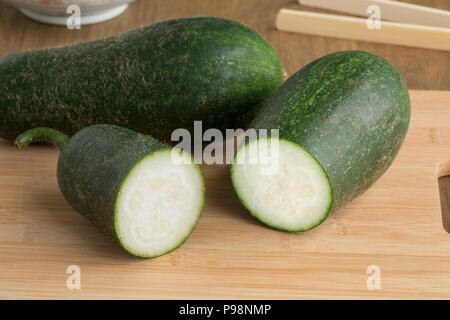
point(151, 80)
point(93, 166)
point(350, 110)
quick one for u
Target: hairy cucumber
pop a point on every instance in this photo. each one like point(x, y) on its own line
point(341, 121)
point(151, 80)
point(127, 185)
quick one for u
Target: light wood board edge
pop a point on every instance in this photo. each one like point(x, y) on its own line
point(356, 29)
point(390, 10)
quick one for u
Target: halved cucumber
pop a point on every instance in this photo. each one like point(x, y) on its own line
point(350, 112)
point(285, 188)
point(158, 204)
point(144, 194)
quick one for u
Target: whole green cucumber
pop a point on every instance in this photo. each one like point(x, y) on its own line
point(152, 80)
point(341, 121)
point(128, 185)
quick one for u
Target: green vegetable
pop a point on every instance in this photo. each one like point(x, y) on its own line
point(152, 80)
point(341, 121)
point(127, 185)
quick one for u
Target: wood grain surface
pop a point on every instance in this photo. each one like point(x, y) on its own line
point(396, 225)
point(421, 68)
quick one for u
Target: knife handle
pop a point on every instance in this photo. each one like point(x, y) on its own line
point(444, 192)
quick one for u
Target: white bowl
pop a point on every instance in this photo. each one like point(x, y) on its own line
point(55, 11)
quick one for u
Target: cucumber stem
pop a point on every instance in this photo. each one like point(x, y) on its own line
point(41, 134)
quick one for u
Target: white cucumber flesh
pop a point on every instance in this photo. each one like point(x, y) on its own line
point(281, 184)
point(159, 204)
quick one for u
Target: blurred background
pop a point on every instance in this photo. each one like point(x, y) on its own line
point(421, 68)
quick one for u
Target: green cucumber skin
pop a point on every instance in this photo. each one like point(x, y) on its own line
point(94, 164)
point(350, 110)
point(151, 80)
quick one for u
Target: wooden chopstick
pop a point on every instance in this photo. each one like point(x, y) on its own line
point(389, 9)
point(356, 29)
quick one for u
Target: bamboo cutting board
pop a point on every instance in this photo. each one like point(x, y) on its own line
point(395, 226)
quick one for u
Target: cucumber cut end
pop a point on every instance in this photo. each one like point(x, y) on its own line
point(294, 195)
point(159, 204)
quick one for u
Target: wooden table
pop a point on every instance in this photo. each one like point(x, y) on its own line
point(422, 69)
point(395, 226)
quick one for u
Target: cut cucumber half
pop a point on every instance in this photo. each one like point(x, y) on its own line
point(350, 111)
point(281, 184)
point(159, 204)
point(146, 195)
